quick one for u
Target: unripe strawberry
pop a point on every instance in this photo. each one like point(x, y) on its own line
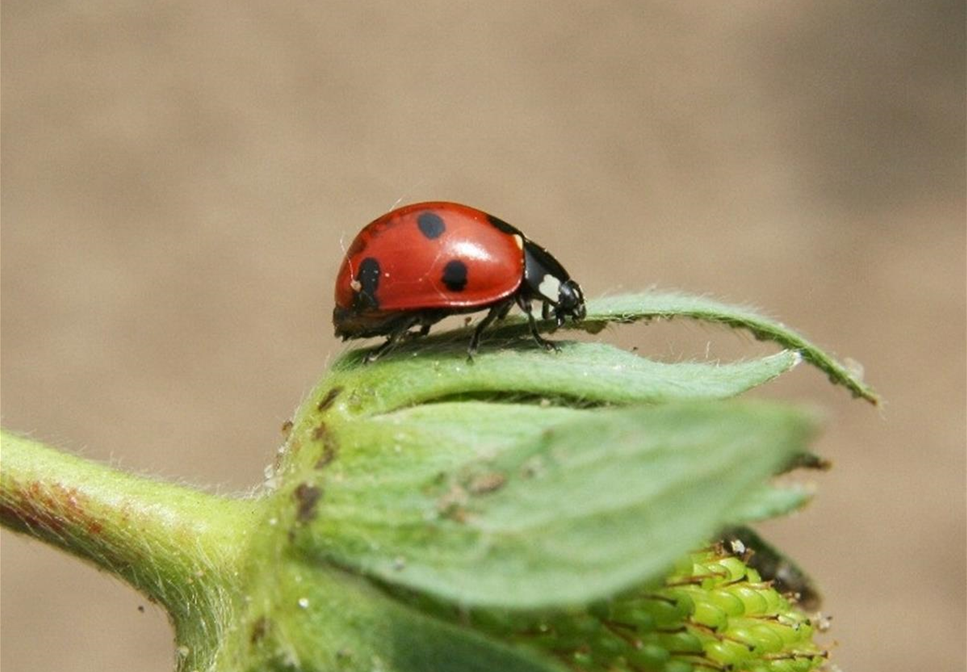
point(713, 612)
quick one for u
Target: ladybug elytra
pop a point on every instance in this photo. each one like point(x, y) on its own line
point(420, 263)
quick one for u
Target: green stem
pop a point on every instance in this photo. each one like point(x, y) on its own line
point(180, 547)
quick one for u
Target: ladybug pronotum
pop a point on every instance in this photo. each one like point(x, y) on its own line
point(420, 263)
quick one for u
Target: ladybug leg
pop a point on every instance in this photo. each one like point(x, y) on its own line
point(427, 320)
point(548, 312)
point(525, 305)
point(496, 312)
point(506, 309)
point(394, 336)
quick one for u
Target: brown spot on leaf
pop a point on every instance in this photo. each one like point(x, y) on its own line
point(308, 497)
point(532, 467)
point(327, 457)
point(291, 447)
point(810, 461)
point(330, 398)
point(260, 628)
point(482, 484)
point(286, 428)
point(452, 504)
point(320, 432)
point(329, 446)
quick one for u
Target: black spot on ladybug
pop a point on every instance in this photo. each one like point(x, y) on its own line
point(307, 496)
point(502, 226)
point(368, 278)
point(431, 225)
point(455, 275)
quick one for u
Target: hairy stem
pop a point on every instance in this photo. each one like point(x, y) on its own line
point(180, 547)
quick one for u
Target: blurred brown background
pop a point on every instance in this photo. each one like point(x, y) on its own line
point(179, 176)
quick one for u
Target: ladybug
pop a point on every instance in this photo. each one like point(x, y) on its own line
point(420, 263)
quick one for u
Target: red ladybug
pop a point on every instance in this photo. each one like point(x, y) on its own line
point(420, 263)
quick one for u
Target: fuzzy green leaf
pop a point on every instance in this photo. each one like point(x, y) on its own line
point(570, 514)
point(654, 305)
point(770, 501)
point(584, 373)
point(305, 617)
point(632, 307)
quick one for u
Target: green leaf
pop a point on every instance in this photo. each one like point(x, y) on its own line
point(585, 373)
point(301, 617)
point(770, 501)
point(655, 305)
point(651, 305)
point(563, 516)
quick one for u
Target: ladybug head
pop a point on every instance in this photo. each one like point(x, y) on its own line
point(547, 280)
point(570, 302)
